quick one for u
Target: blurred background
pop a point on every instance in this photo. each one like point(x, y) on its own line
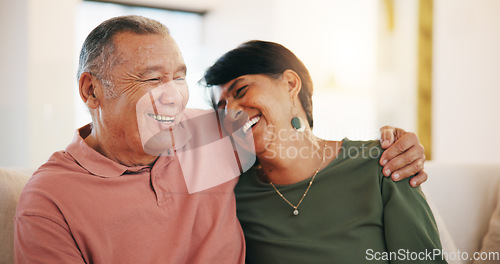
point(431, 67)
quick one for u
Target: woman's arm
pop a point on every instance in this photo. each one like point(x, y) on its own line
point(409, 225)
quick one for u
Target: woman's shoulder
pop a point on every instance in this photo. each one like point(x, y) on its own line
point(360, 150)
point(361, 143)
point(356, 161)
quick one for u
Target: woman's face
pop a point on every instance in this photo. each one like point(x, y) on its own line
point(267, 103)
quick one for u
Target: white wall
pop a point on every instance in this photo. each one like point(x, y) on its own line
point(38, 77)
point(466, 108)
point(14, 93)
point(397, 66)
point(233, 22)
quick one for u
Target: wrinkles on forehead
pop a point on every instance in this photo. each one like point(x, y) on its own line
point(155, 72)
point(152, 60)
point(129, 45)
point(146, 55)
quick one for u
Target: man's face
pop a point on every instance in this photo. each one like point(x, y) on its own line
point(149, 80)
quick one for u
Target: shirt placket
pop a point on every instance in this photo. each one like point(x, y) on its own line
point(161, 189)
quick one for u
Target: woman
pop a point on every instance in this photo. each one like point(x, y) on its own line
point(310, 200)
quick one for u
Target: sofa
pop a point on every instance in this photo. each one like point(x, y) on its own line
point(462, 196)
point(11, 184)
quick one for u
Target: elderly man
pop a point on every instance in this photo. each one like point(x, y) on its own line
point(113, 196)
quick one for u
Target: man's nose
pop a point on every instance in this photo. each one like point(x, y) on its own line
point(170, 95)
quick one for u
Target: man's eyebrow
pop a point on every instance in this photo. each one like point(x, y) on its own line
point(182, 68)
point(149, 70)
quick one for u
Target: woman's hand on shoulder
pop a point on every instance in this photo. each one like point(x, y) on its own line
point(403, 156)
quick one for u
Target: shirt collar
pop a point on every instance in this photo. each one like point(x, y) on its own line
point(90, 159)
point(98, 164)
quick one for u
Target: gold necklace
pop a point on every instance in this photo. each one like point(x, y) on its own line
point(296, 207)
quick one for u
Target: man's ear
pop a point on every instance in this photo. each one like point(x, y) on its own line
point(87, 86)
point(293, 81)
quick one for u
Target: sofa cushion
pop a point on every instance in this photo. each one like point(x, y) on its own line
point(491, 242)
point(465, 197)
point(11, 185)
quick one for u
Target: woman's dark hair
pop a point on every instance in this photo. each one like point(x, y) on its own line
point(261, 57)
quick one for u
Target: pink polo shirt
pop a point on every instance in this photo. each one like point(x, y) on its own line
point(81, 207)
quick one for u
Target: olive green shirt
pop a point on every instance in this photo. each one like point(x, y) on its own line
point(351, 214)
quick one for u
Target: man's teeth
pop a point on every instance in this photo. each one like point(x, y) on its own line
point(250, 123)
point(162, 118)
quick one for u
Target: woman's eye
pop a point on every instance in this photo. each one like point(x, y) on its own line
point(238, 93)
point(180, 78)
point(153, 80)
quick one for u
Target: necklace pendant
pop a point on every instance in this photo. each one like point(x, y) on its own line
point(295, 212)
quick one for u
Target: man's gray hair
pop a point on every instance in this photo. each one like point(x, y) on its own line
point(97, 55)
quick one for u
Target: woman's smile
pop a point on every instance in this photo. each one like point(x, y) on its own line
point(250, 124)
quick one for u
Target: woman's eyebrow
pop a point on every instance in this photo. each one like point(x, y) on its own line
point(233, 85)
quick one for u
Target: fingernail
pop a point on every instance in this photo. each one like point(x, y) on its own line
point(384, 162)
point(385, 143)
point(396, 176)
point(387, 172)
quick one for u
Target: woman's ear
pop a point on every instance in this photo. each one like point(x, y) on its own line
point(87, 86)
point(293, 81)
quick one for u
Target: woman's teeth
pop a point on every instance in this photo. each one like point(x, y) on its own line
point(250, 123)
point(162, 118)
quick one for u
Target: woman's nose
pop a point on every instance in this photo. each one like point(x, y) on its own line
point(233, 111)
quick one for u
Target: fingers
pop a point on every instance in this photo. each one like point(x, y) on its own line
point(405, 142)
point(403, 158)
point(406, 164)
point(386, 136)
point(420, 178)
point(407, 171)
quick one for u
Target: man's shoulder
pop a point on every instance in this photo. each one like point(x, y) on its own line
point(50, 184)
point(52, 173)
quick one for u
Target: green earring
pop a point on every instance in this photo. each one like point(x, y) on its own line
point(297, 124)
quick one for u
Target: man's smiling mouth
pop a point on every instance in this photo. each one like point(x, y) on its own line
point(162, 118)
